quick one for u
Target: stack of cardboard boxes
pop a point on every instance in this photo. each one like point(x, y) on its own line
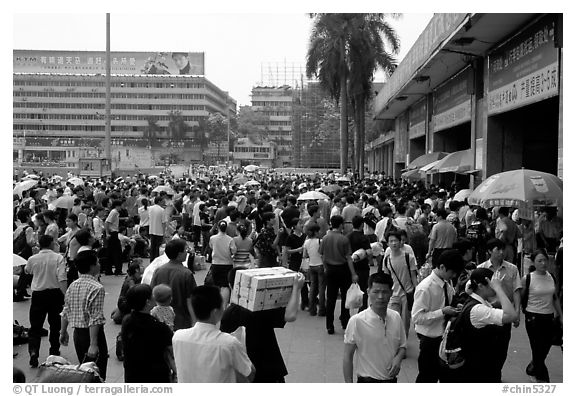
point(263, 288)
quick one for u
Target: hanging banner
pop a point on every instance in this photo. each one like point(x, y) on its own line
point(525, 69)
point(451, 103)
point(94, 62)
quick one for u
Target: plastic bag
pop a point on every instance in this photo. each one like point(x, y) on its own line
point(354, 296)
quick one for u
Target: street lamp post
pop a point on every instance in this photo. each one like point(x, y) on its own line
point(108, 115)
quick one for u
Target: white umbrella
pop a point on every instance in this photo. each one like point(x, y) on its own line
point(118, 180)
point(152, 177)
point(312, 196)
point(76, 181)
point(24, 186)
point(64, 202)
point(31, 177)
point(252, 183)
point(167, 189)
point(462, 194)
point(343, 179)
point(18, 261)
point(251, 168)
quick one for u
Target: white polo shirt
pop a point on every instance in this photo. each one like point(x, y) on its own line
point(377, 342)
point(156, 220)
point(205, 354)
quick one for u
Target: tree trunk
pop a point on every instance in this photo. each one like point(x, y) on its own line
point(357, 135)
point(362, 132)
point(343, 125)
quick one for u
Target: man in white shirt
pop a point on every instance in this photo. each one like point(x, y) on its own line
point(402, 267)
point(205, 354)
point(196, 222)
point(376, 335)
point(431, 306)
point(157, 222)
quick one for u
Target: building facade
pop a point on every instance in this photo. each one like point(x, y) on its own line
point(248, 152)
point(60, 117)
point(488, 84)
point(276, 104)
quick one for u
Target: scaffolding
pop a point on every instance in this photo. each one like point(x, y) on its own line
point(315, 131)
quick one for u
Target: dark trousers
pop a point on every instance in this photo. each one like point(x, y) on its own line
point(539, 329)
point(114, 253)
point(23, 281)
point(502, 348)
point(363, 274)
point(82, 343)
point(196, 232)
point(155, 242)
point(45, 303)
point(429, 368)
point(338, 278)
point(317, 294)
point(71, 272)
point(205, 240)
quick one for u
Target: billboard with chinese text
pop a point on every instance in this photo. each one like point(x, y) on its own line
point(94, 62)
point(525, 69)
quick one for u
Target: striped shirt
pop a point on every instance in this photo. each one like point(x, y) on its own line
point(243, 248)
point(84, 302)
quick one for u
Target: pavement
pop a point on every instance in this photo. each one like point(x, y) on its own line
point(311, 355)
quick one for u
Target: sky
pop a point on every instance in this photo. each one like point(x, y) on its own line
point(241, 49)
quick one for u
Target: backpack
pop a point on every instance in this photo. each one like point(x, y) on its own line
point(370, 219)
point(390, 227)
point(20, 245)
point(476, 232)
point(451, 350)
point(20, 334)
point(416, 236)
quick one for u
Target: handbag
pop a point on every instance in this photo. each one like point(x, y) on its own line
point(20, 334)
point(209, 280)
point(57, 373)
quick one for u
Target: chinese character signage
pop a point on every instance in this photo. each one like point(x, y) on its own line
point(524, 70)
point(451, 103)
point(93, 62)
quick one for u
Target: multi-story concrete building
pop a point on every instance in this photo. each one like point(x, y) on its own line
point(276, 104)
point(485, 86)
point(248, 152)
point(59, 110)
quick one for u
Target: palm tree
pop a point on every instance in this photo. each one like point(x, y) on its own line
point(370, 35)
point(327, 59)
point(344, 52)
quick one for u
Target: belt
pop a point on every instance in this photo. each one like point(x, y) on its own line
point(374, 380)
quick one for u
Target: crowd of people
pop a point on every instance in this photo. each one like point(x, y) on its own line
point(421, 258)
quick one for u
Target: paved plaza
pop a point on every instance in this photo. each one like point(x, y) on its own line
point(311, 355)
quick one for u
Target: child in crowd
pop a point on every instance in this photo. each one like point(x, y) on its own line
point(162, 294)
